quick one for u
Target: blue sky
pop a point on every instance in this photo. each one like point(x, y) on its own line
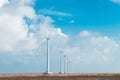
point(95, 15)
point(87, 31)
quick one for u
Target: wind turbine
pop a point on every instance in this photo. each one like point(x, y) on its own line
point(48, 54)
point(61, 61)
point(65, 57)
point(68, 65)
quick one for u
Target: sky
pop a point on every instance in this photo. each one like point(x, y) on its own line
point(86, 31)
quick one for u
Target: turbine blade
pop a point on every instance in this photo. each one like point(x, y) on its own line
point(43, 41)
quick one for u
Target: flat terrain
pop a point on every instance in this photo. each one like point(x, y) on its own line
point(81, 76)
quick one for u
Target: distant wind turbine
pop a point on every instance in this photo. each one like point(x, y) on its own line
point(68, 65)
point(61, 52)
point(65, 57)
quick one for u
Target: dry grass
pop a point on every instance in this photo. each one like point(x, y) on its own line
point(82, 76)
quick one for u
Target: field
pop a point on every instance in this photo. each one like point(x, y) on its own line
point(81, 76)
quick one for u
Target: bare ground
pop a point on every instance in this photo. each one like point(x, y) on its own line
point(81, 76)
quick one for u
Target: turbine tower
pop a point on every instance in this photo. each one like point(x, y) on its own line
point(61, 61)
point(65, 63)
point(48, 56)
point(69, 65)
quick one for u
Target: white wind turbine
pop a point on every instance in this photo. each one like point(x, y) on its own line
point(65, 61)
point(48, 56)
point(47, 49)
point(68, 64)
point(61, 65)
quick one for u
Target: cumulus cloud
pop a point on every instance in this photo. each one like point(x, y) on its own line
point(3, 2)
point(92, 47)
point(13, 28)
point(23, 31)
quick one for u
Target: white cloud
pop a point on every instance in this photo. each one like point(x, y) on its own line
point(92, 47)
point(85, 33)
point(3, 2)
point(16, 37)
point(13, 28)
point(53, 12)
point(115, 1)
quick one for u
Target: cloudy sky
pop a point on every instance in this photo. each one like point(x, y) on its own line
point(87, 31)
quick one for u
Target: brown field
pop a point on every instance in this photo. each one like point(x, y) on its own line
point(81, 76)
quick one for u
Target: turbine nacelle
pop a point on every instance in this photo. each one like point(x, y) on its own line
point(47, 38)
